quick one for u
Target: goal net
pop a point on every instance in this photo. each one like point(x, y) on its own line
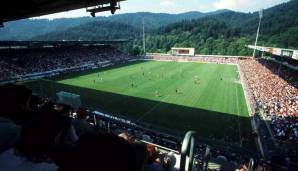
point(71, 99)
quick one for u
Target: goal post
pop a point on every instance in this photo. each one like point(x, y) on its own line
point(74, 100)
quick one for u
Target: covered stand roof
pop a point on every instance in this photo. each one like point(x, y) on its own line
point(15, 9)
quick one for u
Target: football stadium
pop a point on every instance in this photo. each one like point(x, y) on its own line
point(148, 91)
point(172, 95)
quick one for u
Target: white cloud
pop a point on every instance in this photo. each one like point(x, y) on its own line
point(231, 4)
point(245, 5)
point(167, 3)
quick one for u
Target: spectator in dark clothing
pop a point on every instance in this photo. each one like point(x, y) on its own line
point(15, 102)
point(80, 123)
point(40, 133)
point(101, 152)
point(154, 162)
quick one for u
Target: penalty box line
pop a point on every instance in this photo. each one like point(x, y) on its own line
point(153, 108)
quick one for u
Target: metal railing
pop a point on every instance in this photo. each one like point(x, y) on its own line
point(251, 165)
point(206, 158)
point(187, 149)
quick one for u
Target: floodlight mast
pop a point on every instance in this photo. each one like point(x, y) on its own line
point(144, 38)
point(257, 36)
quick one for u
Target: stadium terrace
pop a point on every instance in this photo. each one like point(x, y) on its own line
point(146, 91)
point(269, 93)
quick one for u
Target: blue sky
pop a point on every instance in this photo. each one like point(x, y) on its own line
point(177, 6)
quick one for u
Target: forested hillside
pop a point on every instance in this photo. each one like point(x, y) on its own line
point(208, 36)
point(29, 28)
point(222, 32)
point(96, 30)
point(228, 33)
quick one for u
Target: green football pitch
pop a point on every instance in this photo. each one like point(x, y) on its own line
point(207, 98)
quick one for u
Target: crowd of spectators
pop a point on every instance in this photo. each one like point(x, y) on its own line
point(275, 90)
point(21, 61)
point(199, 59)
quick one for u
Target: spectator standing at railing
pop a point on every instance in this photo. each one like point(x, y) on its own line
point(80, 123)
point(155, 162)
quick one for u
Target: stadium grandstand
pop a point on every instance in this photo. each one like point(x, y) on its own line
point(87, 105)
point(22, 60)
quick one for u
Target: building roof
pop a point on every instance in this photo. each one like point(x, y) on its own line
point(175, 48)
